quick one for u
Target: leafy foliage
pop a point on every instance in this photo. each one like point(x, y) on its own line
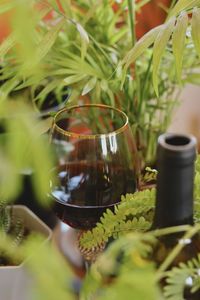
point(134, 213)
point(15, 230)
point(87, 50)
point(23, 135)
point(181, 278)
point(85, 47)
point(113, 275)
point(127, 216)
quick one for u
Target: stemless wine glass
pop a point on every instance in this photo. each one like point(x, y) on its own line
point(96, 162)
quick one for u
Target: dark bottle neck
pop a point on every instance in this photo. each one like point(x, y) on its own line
point(174, 197)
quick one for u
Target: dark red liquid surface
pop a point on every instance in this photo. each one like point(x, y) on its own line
point(84, 191)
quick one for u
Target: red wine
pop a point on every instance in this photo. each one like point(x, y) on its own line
point(85, 190)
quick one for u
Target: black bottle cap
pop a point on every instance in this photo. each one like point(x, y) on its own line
point(174, 196)
point(176, 148)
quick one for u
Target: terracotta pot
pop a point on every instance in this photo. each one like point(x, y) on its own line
point(15, 282)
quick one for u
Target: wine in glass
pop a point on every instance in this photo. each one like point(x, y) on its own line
point(96, 162)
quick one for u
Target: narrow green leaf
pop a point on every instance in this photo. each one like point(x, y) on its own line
point(89, 86)
point(196, 29)
point(159, 48)
point(66, 6)
point(7, 44)
point(139, 5)
point(7, 87)
point(53, 4)
point(6, 6)
point(141, 46)
point(193, 78)
point(74, 78)
point(183, 5)
point(48, 88)
point(178, 41)
point(116, 37)
point(84, 39)
point(48, 40)
point(43, 12)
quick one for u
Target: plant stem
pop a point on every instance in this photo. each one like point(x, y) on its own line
point(172, 4)
point(131, 9)
point(132, 18)
point(170, 258)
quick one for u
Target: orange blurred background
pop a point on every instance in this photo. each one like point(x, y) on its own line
point(150, 16)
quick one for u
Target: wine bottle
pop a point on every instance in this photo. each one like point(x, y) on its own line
point(174, 200)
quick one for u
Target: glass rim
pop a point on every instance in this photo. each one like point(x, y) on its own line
point(95, 135)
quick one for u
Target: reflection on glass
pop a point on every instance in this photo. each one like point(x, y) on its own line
point(95, 162)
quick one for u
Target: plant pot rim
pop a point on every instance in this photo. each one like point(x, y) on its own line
point(36, 219)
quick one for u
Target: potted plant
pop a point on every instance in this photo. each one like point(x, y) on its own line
point(94, 66)
point(18, 222)
point(94, 50)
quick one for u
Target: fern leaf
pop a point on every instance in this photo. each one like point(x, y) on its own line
point(127, 216)
point(181, 277)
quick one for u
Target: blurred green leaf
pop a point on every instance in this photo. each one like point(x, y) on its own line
point(23, 23)
point(7, 87)
point(7, 44)
point(74, 78)
point(193, 78)
point(178, 41)
point(196, 29)
point(6, 5)
point(44, 263)
point(89, 86)
point(66, 6)
point(48, 40)
point(141, 46)
point(183, 5)
point(84, 39)
point(118, 35)
point(159, 48)
point(47, 89)
point(25, 147)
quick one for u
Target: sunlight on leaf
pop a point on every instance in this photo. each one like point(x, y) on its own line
point(74, 78)
point(89, 86)
point(84, 39)
point(7, 44)
point(159, 48)
point(196, 29)
point(141, 46)
point(45, 262)
point(7, 5)
point(178, 41)
point(183, 5)
point(48, 40)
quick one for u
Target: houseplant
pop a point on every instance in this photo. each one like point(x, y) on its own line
point(88, 50)
point(15, 282)
point(132, 272)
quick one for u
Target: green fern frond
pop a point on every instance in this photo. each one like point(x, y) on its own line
point(10, 227)
point(129, 215)
point(18, 232)
point(182, 278)
point(5, 217)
